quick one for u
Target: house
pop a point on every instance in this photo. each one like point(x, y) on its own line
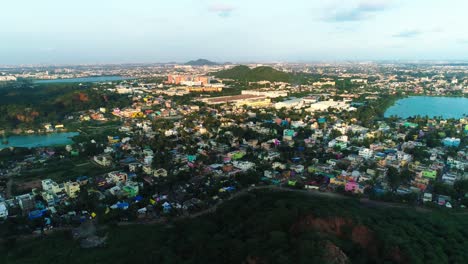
point(147, 169)
point(427, 197)
point(26, 202)
point(104, 160)
point(160, 173)
point(72, 189)
point(49, 198)
point(298, 168)
point(430, 174)
point(243, 165)
point(337, 181)
point(366, 153)
point(449, 178)
point(235, 155)
point(451, 142)
point(116, 177)
point(352, 186)
point(50, 186)
point(130, 189)
point(166, 207)
point(116, 190)
point(3, 211)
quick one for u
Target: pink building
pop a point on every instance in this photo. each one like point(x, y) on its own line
point(352, 186)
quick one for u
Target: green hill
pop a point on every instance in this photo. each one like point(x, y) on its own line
point(263, 73)
point(201, 62)
point(270, 227)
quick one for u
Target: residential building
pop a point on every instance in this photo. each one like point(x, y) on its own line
point(50, 186)
point(72, 189)
point(3, 211)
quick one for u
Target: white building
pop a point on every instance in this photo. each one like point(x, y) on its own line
point(3, 211)
point(366, 153)
point(292, 103)
point(50, 186)
point(243, 165)
point(269, 94)
point(325, 105)
point(449, 178)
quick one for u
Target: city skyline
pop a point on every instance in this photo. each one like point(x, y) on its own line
point(51, 32)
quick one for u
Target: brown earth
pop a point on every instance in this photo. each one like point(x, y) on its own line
point(345, 228)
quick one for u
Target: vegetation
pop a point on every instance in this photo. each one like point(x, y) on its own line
point(28, 105)
point(270, 227)
point(201, 62)
point(263, 73)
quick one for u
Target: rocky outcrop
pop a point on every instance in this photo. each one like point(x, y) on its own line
point(334, 255)
point(347, 229)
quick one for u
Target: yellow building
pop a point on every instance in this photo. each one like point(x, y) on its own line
point(204, 89)
point(72, 189)
point(337, 181)
point(260, 102)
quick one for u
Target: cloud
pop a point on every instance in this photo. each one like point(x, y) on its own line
point(373, 6)
point(408, 34)
point(362, 10)
point(223, 10)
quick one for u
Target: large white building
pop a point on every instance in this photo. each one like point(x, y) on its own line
point(292, 103)
point(325, 105)
point(269, 94)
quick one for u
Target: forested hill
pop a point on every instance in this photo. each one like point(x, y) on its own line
point(262, 73)
point(32, 106)
point(270, 227)
point(200, 62)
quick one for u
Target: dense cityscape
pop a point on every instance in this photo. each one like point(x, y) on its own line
point(234, 131)
point(179, 140)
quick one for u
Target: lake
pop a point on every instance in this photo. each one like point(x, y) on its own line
point(447, 107)
point(31, 141)
point(93, 79)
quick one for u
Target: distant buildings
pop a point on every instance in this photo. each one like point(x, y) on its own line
point(267, 93)
point(188, 80)
point(7, 78)
point(239, 100)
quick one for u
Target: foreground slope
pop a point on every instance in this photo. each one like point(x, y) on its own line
point(271, 227)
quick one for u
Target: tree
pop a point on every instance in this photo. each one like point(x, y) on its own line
point(393, 178)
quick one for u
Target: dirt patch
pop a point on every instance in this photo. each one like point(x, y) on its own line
point(347, 229)
point(27, 186)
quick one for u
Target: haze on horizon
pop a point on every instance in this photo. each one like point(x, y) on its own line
point(144, 31)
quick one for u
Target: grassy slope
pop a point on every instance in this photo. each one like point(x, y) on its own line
point(260, 225)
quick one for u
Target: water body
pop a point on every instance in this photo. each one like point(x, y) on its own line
point(32, 141)
point(94, 79)
point(447, 107)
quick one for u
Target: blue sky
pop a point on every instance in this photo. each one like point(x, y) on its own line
point(122, 31)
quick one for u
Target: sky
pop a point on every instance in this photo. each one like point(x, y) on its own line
point(151, 31)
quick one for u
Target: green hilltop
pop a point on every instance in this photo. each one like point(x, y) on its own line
point(262, 73)
point(201, 62)
point(269, 227)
